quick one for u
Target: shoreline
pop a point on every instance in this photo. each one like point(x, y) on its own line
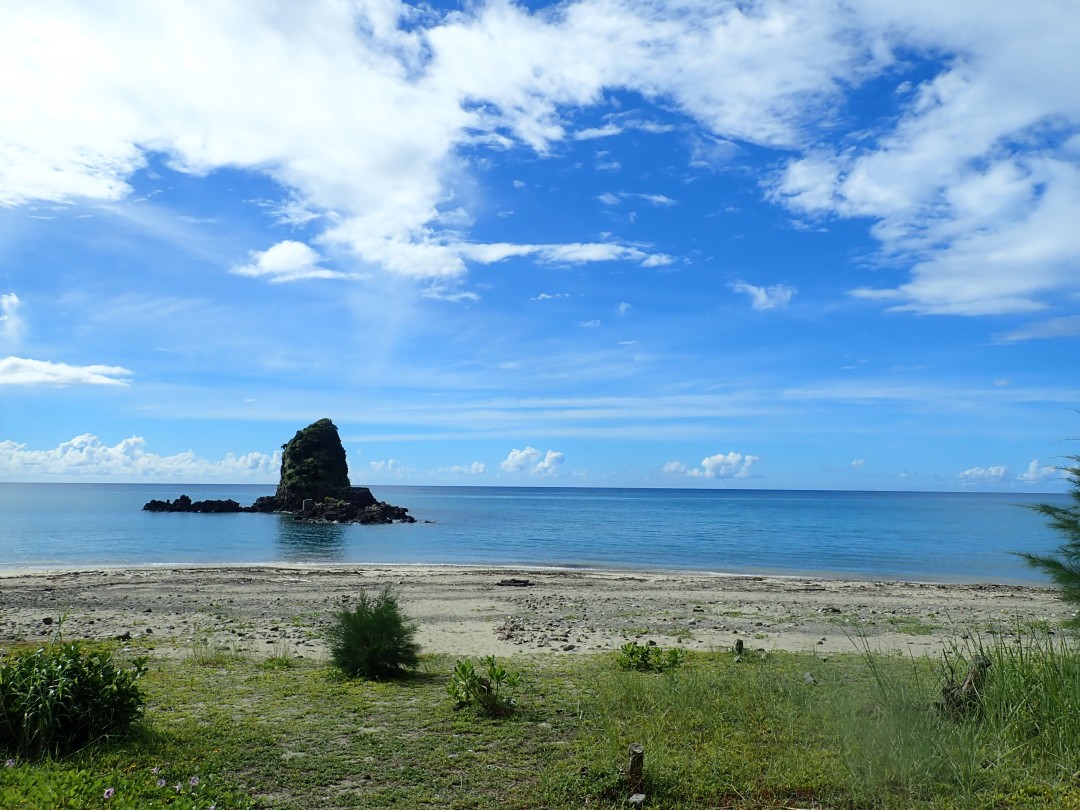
point(7, 572)
point(274, 609)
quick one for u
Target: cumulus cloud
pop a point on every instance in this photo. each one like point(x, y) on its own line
point(971, 183)
point(476, 468)
point(20, 371)
point(87, 458)
point(721, 465)
point(776, 296)
point(857, 463)
point(1036, 472)
point(533, 462)
point(286, 261)
point(982, 474)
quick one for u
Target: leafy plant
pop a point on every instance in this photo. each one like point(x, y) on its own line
point(375, 640)
point(490, 690)
point(645, 658)
point(1063, 567)
point(60, 698)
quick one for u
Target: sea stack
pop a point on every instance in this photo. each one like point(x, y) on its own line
point(314, 486)
point(313, 467)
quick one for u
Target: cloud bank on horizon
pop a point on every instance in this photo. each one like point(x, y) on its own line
point(761, 234)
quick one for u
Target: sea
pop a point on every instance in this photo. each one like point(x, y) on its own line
point(911, 536)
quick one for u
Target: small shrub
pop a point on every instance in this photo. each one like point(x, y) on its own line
point(490, 691)
point(374, 640)
point(644, 658)
point(60, 698)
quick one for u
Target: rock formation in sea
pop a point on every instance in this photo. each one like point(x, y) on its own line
point(314, 486)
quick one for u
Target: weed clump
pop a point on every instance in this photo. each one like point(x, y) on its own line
point(60, 698)
point(375, 640)
point(644, 658)
point(490, 690)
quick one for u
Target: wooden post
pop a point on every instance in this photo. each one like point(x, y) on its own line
point(637, 764)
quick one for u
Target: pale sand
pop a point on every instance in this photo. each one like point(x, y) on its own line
point(275, 609)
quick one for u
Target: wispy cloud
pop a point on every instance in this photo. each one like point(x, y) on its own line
point(775, 296)
point(20, 371)
point(1065, 327)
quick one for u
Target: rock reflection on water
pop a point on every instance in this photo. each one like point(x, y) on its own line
point(299, 541)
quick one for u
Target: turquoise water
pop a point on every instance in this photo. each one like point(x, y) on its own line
point(945, 537)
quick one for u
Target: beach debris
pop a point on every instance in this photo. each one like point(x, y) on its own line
point(961, 699)
point(514, 582)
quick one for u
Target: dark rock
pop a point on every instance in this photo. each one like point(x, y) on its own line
point(313, 466)
point(185, 504)
point(314, 486)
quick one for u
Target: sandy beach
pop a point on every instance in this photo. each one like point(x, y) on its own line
point(273, 609)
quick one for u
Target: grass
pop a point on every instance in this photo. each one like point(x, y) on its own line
point(860, 732)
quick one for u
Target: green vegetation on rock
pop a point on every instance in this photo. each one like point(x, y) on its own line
point(313, 465)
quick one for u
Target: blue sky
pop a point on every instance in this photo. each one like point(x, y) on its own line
point(599, 243)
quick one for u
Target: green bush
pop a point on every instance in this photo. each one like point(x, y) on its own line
point(490, 690)
point(375, 640)
point(59, 698)
point(644, 658)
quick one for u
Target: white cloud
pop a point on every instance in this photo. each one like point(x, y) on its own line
point(358, 111)
point(286, 261)
point(977, 474)
point(572, 253)
point(1068, 326)
point(858, 463)
point(775, 296)
point(1035, 473)
point(533, 462)
point(624, 308)
point(390, 466)
point(375, 108)
point(657, 200)
point(590, 133)
point(973, 186)
point(721, 465)
point(589, 324)
point(11, 323)
point(657, 260)
point(87, 458)
point(20, 371)
point(448, 292)
point(476, 468)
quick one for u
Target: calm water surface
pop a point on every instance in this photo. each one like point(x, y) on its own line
point(961, 537)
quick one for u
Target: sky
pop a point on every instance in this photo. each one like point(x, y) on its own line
point(784, 244)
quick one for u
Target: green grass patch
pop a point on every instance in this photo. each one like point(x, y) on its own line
point(779, 731)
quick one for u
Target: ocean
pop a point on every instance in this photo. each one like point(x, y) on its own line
point(929, 537)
